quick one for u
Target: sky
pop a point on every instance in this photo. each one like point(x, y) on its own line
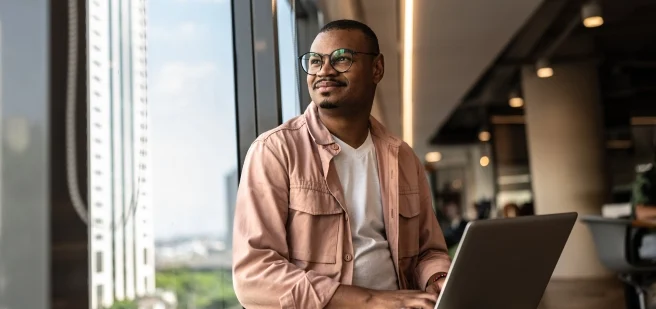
point(192, 109)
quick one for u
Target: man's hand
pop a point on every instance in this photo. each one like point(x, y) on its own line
point(402, 299)
point(347, 297)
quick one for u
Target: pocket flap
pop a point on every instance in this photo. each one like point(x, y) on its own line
point(313, 200)
point(409, 205)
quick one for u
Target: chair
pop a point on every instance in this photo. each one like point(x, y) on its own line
point(614, 244)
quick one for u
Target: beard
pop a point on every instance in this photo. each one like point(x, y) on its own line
point(328, 105)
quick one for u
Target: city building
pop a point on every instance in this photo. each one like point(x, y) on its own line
point(231, 183)
point(121, 236)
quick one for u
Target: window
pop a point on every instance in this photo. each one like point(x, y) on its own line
point(194, 149)
point(162, 121)
point(287, 54)
point(99, 262)
point(100, 295)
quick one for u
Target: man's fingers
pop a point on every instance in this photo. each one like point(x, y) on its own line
point(429, 296)
point(418, 300)
point(420, 303)
point(432, 289)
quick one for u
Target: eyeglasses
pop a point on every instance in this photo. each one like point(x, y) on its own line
point(340, 59)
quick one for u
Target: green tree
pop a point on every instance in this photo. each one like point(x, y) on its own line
point(199, 289)
point(125, 304)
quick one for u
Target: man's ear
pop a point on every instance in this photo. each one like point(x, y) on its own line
point(379, 68)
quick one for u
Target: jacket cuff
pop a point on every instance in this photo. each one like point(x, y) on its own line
point(312, 291)
point(427, 269)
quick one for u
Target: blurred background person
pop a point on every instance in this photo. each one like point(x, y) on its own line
point(511, 210)
point(455, 228)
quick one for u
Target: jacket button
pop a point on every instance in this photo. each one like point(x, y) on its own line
point(348, 257)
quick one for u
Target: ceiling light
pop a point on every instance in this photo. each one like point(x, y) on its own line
point(484, 136)
point(485, 161)
point(515, 100)
point(433, 157)
point(591, 14)
point(544, 69)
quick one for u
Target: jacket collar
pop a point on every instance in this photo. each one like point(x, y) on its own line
point(323, 137)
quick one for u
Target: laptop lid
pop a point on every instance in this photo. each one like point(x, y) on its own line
point(506, 263)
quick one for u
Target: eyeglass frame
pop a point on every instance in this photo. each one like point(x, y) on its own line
point(300, 59)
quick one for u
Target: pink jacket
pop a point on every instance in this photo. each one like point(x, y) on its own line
point(292, 240)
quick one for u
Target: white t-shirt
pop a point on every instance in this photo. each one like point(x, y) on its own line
point(358, 174)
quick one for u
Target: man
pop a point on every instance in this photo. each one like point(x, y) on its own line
point(644, 209)
point(644, 194)
point(643, 200)
point(455, 229)
point(333, 211)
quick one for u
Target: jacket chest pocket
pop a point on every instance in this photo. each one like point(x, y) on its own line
point(409, 224)
point(313, 226)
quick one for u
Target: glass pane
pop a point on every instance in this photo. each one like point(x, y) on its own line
point(194, 149)
point(287, 56)
point(164, 168)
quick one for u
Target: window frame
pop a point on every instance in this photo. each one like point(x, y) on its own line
point(256, 69)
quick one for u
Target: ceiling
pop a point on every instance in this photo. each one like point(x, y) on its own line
point(625, 48)
point(455, 43)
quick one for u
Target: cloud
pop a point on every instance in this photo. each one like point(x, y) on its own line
point(180, 33)
point(181, 83)
point(192, 138)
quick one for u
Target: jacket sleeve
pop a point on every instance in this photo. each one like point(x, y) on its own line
point(433, 253)
point(263, 277)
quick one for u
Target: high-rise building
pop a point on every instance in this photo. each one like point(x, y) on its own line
point(122, 245)
point(231, 183)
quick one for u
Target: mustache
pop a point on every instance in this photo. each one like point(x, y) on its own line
point(339, 83)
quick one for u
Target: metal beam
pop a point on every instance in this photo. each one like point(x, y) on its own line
point(267, 72)
point(244, 71)
point(257, 74)
point(306, 29)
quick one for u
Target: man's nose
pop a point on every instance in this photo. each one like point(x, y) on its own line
point(326, 68)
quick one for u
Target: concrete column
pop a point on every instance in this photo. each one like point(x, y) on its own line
point(565, 144)
point(25, 148)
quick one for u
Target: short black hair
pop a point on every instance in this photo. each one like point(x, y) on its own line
point(348, 24)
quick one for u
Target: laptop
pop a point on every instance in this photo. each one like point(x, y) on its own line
point(506, 263)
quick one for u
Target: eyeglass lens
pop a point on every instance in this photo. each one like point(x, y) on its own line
point(340, 59)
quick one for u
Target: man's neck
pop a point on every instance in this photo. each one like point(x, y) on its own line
point(351, 130)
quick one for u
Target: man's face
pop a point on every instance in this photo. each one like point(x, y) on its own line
point(354, 89)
